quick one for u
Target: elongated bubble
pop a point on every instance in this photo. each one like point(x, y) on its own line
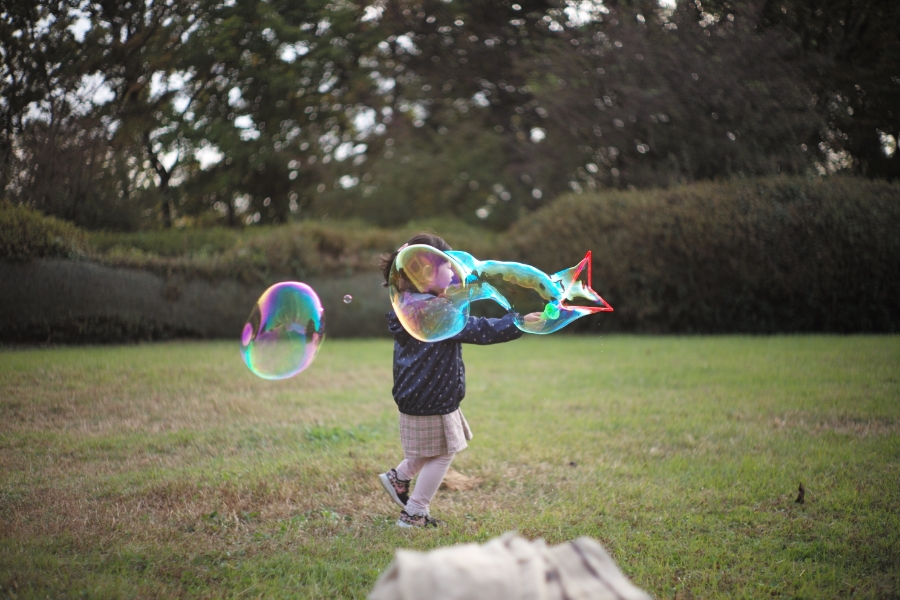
point(431, 292)
point(284, 331)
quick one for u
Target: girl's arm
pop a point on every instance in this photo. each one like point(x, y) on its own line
point(484, 331)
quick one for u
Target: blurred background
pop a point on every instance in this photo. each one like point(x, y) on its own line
point(732, 165)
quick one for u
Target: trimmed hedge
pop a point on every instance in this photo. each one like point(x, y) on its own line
point(95, 329)
point(133, 285)
point(754, 256)
point(66, 301)
point(252, 256)
point(265, 254)
point(26, 234)
point(775, 255)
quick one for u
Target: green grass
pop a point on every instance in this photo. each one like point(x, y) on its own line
point(169, 470)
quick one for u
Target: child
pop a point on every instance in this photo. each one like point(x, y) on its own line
point(429, 384)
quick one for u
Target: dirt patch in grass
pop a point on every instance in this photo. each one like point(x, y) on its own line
point(457, 482)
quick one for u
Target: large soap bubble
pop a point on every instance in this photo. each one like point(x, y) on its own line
point(284, 331)
point(431, 292)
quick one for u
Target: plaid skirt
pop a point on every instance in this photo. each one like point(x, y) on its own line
point(433, 435)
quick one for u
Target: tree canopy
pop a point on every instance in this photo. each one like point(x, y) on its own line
point(149, 113)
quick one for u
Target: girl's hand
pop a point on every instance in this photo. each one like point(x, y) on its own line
point(532, 317)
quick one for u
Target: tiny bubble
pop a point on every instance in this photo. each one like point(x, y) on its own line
point(348, 299)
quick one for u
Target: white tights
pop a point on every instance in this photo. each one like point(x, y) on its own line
point(431, 473)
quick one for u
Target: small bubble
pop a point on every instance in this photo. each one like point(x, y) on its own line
point(348, 299)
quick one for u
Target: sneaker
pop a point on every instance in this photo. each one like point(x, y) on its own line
point(408, 521)
point(397, 489)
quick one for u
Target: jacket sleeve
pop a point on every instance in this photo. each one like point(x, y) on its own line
point(484, 331)
point(396, 329)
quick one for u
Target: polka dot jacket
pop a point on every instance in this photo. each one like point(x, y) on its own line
point(430, 378)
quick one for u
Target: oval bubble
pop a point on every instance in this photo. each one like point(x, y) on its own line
point(284, 331)
point(429, 293)
point(348, 299)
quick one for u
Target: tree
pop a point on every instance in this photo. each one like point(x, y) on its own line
point(258, 89)
point(640, 95)
point(577, 96)
point(35, 47)
point(457, 126)
point(138, 50)
point(851, 57)
point(277, 88)
point(258, 111)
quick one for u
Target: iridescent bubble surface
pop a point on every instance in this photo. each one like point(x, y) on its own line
point(284, 331)
point(429, 293)
point(445, 283)
point(348, 299)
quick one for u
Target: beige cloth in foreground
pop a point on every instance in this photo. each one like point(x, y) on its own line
point(507, 568)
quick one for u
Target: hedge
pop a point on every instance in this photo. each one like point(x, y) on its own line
point(252, 256)
point(774, 255)
point(753, 256)
point(99, 299)
point(26, 234)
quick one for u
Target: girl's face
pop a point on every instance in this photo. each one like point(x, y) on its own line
point(443, 276)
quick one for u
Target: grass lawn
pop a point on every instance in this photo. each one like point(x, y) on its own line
point(169, 470)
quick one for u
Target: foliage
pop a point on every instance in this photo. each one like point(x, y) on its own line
point(259, 255)
point(132, 115)
point(851, 51)
point(26, 234)
point(278, 97)
point(167, 242)
point(760, 255)
point(427, 175)
point(457, 124)
point(168, 470)
point(37, 57)
point(65, 168)
point(652, 96)
point(143, 96)
point(755, 255)
point(252, 255)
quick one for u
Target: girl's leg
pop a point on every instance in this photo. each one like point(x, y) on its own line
point(410, 467)
point(431, 474)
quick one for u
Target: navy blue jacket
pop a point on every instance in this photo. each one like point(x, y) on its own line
point(430, 378)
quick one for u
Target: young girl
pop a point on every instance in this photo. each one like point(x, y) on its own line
point(429, 384)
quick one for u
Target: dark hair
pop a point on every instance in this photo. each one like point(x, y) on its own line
point(386, 261)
